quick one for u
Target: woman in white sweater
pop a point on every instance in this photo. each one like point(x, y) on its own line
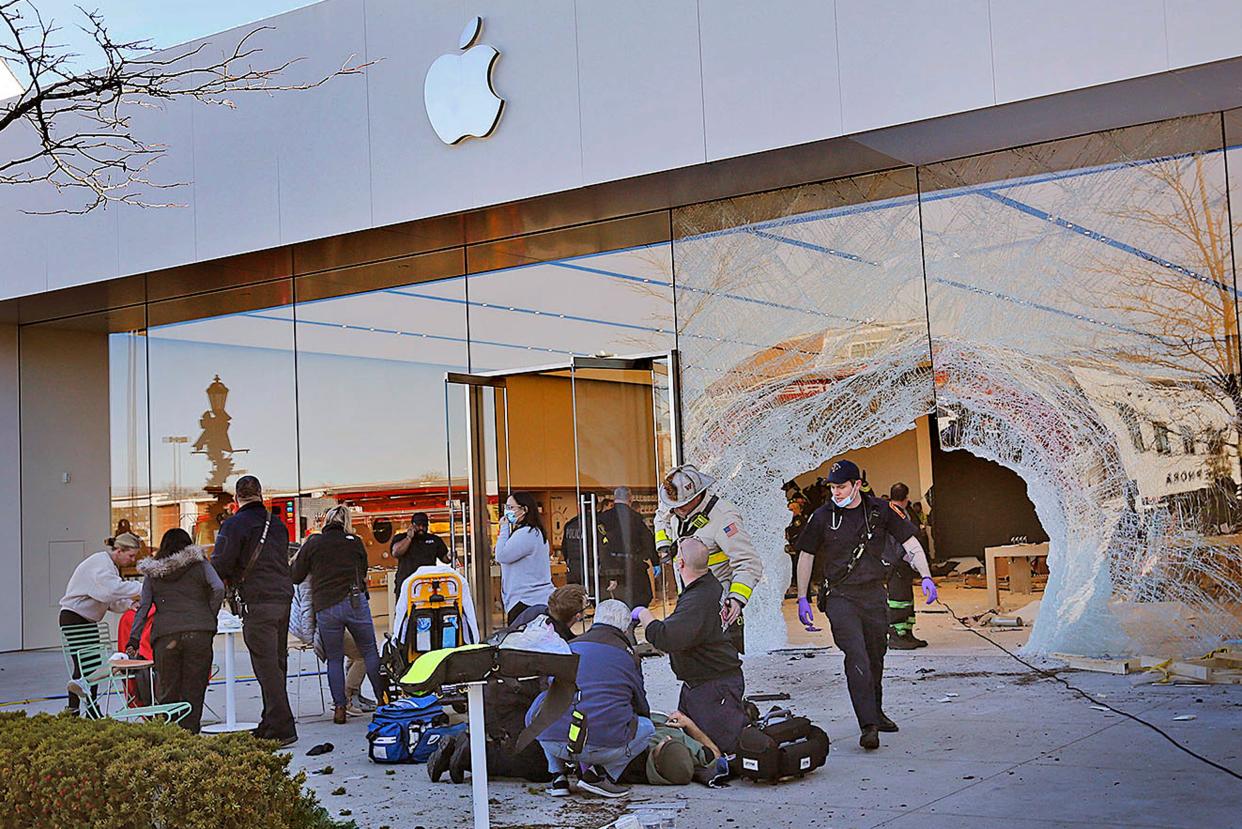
point(524, 556)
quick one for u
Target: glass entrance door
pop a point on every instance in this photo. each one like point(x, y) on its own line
point(575, 436)
point(625, 442)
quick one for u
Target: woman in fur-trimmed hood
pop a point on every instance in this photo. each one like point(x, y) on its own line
point(183, 587)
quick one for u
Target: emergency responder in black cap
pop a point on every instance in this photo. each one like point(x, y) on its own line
point(849, 536)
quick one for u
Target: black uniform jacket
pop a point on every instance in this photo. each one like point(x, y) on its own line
point(692, 636)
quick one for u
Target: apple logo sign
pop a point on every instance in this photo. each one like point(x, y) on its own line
point(458, 90)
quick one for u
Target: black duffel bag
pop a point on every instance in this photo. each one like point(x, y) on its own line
point(779, 746)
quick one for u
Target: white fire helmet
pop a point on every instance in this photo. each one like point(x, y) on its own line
point(683, 484)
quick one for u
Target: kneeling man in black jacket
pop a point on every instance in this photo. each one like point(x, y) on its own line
point(703, 656)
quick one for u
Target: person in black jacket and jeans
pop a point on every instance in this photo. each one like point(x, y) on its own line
point(267, 592)
point(187, 593)
point(702, 655)
point(336, 562)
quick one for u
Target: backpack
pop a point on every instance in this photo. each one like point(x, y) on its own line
point(779, 746)
point(407, 730)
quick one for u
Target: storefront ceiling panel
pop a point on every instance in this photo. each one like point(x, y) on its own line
point(379, 244)
point(633, 231)
point(407, 270)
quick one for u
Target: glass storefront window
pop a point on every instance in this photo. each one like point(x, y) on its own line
point(222, 404)
point(1082, 308)
point(802, 331)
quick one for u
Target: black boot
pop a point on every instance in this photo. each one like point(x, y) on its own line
point(887, 725)
point(904, 641)
point(459, 764)
point(438, 762)
point(870, 738)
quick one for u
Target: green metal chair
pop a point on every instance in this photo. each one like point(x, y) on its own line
point(89, 647)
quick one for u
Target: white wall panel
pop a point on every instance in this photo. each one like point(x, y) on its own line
point(596, 90)
point(21, 235)
point(537, 148)
point(82, 249)
point(903, 61)
point(769, 74)
point(156, 237)
point(1055, 45)
point(236, 192)
point(321, 133)
point(1200, 31)
point(642, 99)
point(412, 172)
point(10, 493)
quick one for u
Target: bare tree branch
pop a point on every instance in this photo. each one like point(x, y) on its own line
point(81, 123)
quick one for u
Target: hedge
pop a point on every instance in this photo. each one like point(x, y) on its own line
point(61, 772)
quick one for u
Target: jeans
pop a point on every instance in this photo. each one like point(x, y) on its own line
point(183, 667)
point(614, 759)
point(352, 614)
point(265, 630)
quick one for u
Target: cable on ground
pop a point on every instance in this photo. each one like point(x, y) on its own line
point(1051, 675)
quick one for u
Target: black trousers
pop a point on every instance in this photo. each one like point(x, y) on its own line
point(183, 669)
point(266, 634)
point(901, 599)
point(67, 619)
point(717, 707)
point(858, 616)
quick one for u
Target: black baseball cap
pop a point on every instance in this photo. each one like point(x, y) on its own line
point(420, 518)
point(843, 472)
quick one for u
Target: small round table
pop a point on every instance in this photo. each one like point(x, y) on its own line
point(230, 687)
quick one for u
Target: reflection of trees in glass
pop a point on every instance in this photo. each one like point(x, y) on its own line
point(1187, 309)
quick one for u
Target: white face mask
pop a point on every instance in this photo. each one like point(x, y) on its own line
point(843, 502)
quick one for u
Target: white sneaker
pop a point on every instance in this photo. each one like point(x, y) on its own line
point(78, 689)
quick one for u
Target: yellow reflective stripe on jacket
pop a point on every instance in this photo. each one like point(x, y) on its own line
point(720, 557)
point(661, 535)
point(740, 589)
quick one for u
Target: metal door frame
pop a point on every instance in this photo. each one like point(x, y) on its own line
point(478, 552)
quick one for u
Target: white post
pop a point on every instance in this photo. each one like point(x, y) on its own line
point(230, 677)
point(478, 755)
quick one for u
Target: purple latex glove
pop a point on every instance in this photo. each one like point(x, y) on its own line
point(634, 614)
point(805, 616)
point(929, 590)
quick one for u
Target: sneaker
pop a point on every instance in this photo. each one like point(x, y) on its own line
point(352, 710)
point(76, 688)
point(597, 783)
point(887, 725)
point(870, 738)
point(559, 787)
point(365, 705)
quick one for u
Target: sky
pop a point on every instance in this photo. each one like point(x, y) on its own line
point(164, 23)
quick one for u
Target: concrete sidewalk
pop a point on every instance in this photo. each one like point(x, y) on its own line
point(983, 743)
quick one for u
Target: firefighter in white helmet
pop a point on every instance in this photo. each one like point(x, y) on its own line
point(688, 509)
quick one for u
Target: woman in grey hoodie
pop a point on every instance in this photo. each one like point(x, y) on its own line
point(524, 556)
point(186, 592)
